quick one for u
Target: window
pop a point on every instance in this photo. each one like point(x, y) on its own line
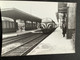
point(7, 24)
point(34, 23)
point(10, 24)
point(13, 25)
point(3, 24)
point(28, 21)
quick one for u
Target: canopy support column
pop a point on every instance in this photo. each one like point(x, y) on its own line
point(15, 25)
point(25, 24)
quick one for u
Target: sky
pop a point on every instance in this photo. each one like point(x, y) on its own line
point(38, 9)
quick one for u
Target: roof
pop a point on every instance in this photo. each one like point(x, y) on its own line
point(47, 20)
point(7, 19)
point(18, 14)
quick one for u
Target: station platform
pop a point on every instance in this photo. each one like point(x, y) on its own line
point(54, 44)
point(18, 33)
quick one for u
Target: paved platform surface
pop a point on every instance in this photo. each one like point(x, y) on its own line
point(17, 33)
point(54, 44)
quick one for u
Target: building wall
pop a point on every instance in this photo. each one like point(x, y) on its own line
point(62, 7)
point(71, 19)
point(71, 15)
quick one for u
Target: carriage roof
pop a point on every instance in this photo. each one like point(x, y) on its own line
point(47, 20)
point(7, 19)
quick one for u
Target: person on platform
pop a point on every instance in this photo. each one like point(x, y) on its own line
point(63, 28)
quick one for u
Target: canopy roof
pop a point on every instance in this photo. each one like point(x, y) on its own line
point(17, 14)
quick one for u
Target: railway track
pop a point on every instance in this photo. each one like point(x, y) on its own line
point(21, 42)
point(14, 37)
point(12, 40)
point(27, 45)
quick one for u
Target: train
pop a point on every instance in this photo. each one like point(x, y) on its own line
point(27, 22)
point(48, 25)
point(8, 25)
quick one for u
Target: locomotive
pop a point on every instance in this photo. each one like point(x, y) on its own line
point(48, 25)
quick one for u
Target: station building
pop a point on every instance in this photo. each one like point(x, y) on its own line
point(69, 9)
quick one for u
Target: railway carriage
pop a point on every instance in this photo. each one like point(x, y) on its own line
point(8, 26)
point(48, 25)
point(30, 25)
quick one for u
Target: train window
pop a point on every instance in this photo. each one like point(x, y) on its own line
point(31, 23)
point(3, 24)
point(34, 23)
point(7, 26)
point(27, 24)
point(10, 24)
point(28, 21)
point(38, 23)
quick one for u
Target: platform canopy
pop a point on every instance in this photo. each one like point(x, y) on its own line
point(18, 14)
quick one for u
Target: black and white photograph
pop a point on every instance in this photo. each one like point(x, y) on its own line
point(38, 28)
